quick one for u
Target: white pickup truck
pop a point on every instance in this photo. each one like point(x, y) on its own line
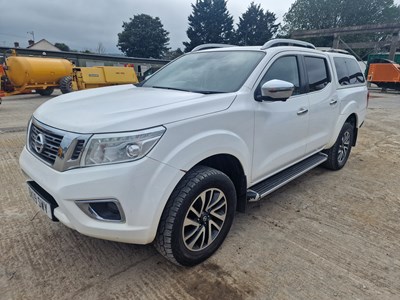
point(171, 161)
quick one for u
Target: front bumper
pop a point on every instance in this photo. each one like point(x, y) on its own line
point(142, 188)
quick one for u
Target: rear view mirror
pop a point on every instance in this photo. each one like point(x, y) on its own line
point(277, 90)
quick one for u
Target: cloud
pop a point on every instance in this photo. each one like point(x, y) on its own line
point(83, 24)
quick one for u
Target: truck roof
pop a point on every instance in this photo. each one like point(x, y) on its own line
point(276, 45)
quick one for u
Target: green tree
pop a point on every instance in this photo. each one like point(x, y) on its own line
point(320, 14)
point(143, 36)
point(210, 22)
point(172, 54)
point(255, 26)
point(62, 46)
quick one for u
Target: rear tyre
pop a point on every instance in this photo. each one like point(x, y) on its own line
point(197, 217)
point(66, 84)
point(340, 151)
point(46, 92)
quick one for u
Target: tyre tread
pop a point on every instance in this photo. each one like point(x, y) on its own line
point(331, 163)
point(164, 234)
point(65, 84)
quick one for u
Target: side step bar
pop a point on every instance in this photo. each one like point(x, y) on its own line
point(263, 188)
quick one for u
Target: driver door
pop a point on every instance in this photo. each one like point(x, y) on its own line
point(280, 134)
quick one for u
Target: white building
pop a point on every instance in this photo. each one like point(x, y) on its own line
point(42, 45)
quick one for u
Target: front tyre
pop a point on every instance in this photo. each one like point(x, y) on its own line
point(197, 217)
point(340, 151)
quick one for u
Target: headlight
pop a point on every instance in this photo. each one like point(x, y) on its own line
point(120, 147)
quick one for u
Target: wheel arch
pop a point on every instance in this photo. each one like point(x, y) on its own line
point(220, 149)
point(230, 166)
point(352, 119)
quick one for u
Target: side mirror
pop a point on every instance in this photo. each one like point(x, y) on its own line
point(277, 90)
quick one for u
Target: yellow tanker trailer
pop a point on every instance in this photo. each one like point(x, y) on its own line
point(22, 74)
point(26, 73)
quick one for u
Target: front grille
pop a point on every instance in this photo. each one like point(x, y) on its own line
point(52, 142)
point(60, 149)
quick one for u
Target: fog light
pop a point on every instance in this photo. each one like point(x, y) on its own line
point(108, 210)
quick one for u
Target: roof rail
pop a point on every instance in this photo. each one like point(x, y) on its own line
point(337, 51)
point(210, 46)
point(286, 42)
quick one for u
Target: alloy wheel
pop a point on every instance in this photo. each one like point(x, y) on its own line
point(204, 219)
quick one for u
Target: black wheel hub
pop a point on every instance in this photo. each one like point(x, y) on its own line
point(204, 218)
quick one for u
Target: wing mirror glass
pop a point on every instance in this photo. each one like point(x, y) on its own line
point(277, 90)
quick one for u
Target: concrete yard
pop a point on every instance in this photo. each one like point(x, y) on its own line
point(326, 235)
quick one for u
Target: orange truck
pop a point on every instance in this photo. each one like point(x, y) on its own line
point(385, 74)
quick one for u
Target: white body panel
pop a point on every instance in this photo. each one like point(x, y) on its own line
point(280, 135)
point(126, 108)
point(264, 137)
point(324, 109)
point(227, 132)
point(142, 195)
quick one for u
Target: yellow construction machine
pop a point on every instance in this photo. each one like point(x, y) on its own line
point(93, 77)
point(27, 74)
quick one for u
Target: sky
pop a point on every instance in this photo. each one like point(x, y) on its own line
point(83, 24)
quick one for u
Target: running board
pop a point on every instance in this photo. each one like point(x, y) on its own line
point(263, 188)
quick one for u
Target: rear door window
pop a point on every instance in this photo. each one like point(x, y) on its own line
point(318, 73)
point(341, 70)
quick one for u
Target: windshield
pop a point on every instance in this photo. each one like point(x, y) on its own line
point(207, 72)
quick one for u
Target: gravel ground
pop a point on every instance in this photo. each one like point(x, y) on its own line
point(325, 235)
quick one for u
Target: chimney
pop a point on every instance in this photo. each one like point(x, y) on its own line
point(31, 42)
point(16, 45)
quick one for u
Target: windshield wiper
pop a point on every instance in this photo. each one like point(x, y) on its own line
point(208, 92)
point(183, 90)
point(170, 88)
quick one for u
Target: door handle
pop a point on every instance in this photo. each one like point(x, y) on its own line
point(302, 111)
point(333, 102)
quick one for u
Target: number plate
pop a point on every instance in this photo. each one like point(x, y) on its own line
point(42, 203)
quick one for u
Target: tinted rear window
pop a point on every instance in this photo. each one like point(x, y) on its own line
point(318, 74)
point(341, 70)
point(355, 74)
point(348, 71)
